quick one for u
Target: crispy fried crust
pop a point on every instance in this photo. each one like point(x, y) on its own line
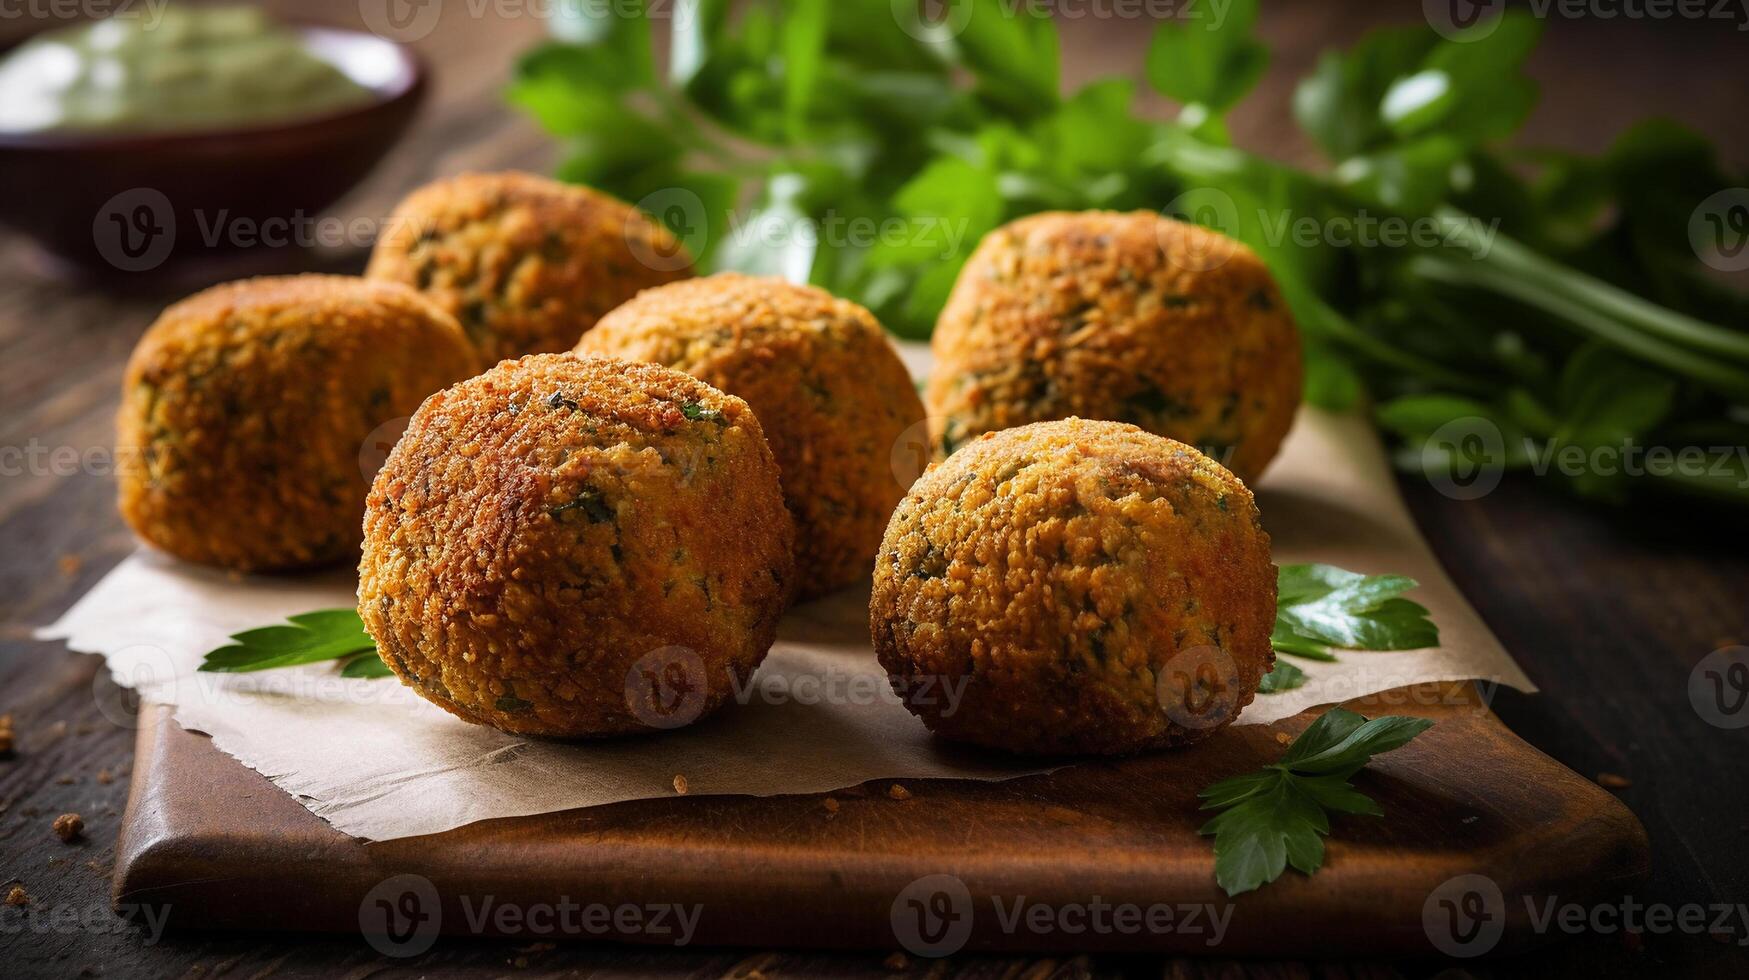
point(830, 391)
point(1130, 317)
point(1094, 588)
point(526, 264)
point(246, 409)
point(545, 527)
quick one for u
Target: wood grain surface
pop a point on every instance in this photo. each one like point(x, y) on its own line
point(207, 841)
point(1609, 611)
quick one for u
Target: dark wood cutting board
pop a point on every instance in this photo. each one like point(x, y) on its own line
point(213, 844)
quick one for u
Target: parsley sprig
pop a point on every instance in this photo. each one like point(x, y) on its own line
point(1553, 298)
point(1279, 815)
point(1320, 608)
point(312, 637)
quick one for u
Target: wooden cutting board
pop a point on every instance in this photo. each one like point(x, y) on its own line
point(213, 844)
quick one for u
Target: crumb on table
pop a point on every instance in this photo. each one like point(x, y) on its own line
point(68, 827)
point(680, 784)
point(17, 897)
point(898, 792)
point(1610, 780)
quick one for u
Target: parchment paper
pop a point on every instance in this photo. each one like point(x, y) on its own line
point(377, 761)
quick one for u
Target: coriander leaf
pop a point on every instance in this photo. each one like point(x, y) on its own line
point(804, 39)
point(1279, 815)
point(1360, 744)
point(700, 412)
point(1014, 54)
point(366, 665)
point(1326, 732)
point(1328, 606)
point(1285, 677)
point(312, 637)
point(1331, 381)
point(1209, 61)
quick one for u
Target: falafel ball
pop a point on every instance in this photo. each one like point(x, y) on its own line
point(1075, 587)
point(1128, 317)
point(248, 412)
point(577, 546)
point(830, 391)
point(525, 263)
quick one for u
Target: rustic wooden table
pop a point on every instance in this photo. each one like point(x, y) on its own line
point(1608, 610)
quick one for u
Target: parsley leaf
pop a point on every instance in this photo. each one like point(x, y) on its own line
point(1279, 815)
point(700, 412)
point(1285, 677)
point(1212, 63)
point(312, 637)
point(1320, 607)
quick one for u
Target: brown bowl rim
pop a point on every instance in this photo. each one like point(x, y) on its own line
point(411, 90)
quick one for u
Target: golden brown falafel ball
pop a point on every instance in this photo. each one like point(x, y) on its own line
point(1075, 587)
point(830, 391)
point(1129, 317)
point(246, 410)
point(526, 264)
point(575, 546)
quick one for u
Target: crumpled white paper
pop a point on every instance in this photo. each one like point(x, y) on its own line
point(378, 762)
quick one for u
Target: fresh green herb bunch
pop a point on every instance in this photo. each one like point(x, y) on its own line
point(1543, 302)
